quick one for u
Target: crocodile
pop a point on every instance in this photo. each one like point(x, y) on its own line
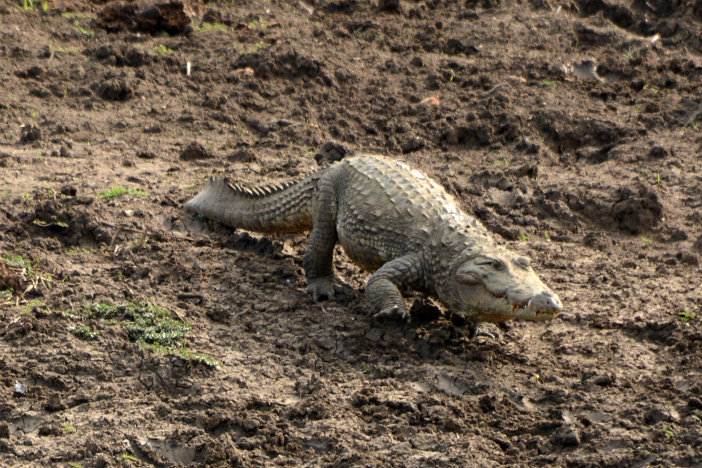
point(395, 222)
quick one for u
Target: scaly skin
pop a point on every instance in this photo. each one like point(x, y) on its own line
point(396, 222)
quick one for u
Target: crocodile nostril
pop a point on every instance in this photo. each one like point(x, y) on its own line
point(555, 303)
point(548, 300)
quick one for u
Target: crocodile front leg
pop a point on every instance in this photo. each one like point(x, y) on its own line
point(319, 254)
point(383, 287)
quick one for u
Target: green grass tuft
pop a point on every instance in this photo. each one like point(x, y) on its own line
point(212, 27)
point(36, 4)
point(116, 192)
point(85, 332)
point(68, 428)
point(83, 31)
point(686, 316)
point(549, 83)
point(162, 50)
point(18, 261)
point(151, 327)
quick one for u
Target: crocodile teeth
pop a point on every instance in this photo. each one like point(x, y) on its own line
point(514, 306)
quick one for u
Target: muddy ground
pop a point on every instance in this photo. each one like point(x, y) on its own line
point(571, 129)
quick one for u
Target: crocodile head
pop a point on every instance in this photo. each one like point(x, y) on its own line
point(500, 285)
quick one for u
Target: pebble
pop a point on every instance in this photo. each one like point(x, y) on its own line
point(566, 435)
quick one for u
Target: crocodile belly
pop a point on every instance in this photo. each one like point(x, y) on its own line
point(364, 248)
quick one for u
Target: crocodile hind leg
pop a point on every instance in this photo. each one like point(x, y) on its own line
point(319, 254)
point(383, 287)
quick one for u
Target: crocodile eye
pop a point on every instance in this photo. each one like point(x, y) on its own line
point(498, 264)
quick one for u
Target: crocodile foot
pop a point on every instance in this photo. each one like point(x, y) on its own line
point(393, 312)
point(321, 288)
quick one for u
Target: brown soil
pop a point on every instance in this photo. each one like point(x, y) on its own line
point(570, 128)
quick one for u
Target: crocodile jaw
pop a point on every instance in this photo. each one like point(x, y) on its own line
point(486, 306)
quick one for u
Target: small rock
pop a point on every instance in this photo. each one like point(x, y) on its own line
point(389, 5)
point(115, 90)
point(69, 191)
point(250, 425)
point(64, 152)
point(411, 144)
point(566, 436)
point(49, 429)
point(596, 240)
point(45, 52)
point(658, 152)
point(4, 430)
point(245, 72)
point(135, 57)
point(417, 61)
point(153, 129)
point(653, 416)
point(331, 152)
point(455, 46)
point(528, 146)
point(688, 258)
point(54, 404)
point(486, 403)
point(30, 133)
point(247, 443)
point(195, 151)
point(602, 379)
point(20, 389)
point(678, 235)
point(146, 155)
point(103, 52)
point(431, 101)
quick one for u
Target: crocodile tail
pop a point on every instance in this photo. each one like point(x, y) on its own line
point(284, 207)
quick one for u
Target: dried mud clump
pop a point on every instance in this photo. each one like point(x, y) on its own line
point(170, 17)
point(331, 152)
point(284, 64)
point(115, 90)
point(195, 151)
point(30, 133)
point(9, 279)
point(72, 220)
point(636, 212)
point(627, 210)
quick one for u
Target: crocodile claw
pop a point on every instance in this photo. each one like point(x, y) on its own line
point(393, 312)
point(322, 289)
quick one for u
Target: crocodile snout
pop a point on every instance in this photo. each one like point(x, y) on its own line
point(547, 301)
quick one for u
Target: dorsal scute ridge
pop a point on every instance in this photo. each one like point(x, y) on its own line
point(260, 191)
